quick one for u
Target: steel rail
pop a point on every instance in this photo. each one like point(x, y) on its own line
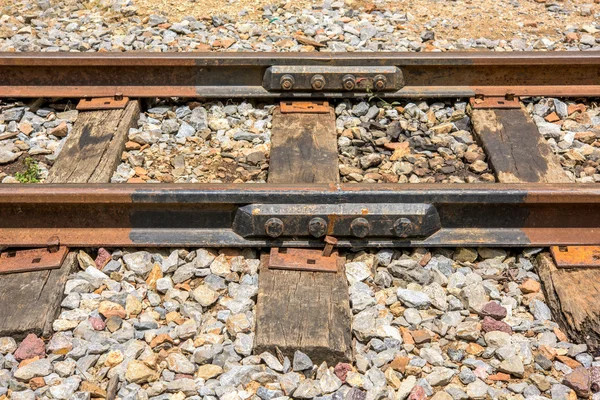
point(209, 214)
point(245, 75)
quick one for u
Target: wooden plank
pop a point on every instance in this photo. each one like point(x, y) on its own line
point(300, 310)
point(516, 150)
point(572, 295)
point(303, 148)
point(94, 146)
point(306, 311)
point(30, 302)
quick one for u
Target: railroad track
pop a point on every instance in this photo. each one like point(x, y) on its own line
point(542, 212)
point(303, 205)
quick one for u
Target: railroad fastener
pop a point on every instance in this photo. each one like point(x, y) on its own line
point(274, 227)
point(403, 227)
point(287, 82)
point(349, 82)
point(360, 227)
point(379, 82)
point(330, 243)
point(317, 82)
point(317, 227)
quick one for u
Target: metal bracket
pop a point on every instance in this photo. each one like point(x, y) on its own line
point(576, 256)
point(302, 260)
point(103, 103)
point(339, 220)
point(509, 101)
point(328, 79)
point(304, 107)
point(12, 261)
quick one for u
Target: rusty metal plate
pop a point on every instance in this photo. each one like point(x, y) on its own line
point(102, 103)
point(303, 260)
point(305, 107)
point(31, 260)
point(494, 102)
point(576, 256)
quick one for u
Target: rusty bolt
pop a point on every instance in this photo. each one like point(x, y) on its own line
point(317, 82)
point(287, 82)
point(379, 82)
point(274, 227)
point(317, 227)
point(360, 227)
point(403, 227)
point(349, 82)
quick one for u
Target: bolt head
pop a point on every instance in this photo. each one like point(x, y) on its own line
point(379, 82)
point(317, 227)
point(274, 227)
point(349, 82)
point(360, 227)
point(403, 227)
point(287, 82)
point(317, 82)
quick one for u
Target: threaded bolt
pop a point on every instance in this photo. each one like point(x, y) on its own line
point(317, 227)
point(317, 82)
point(287, 82)
point(274, 227)
point(379, 82)
point(403, 227)
point(360, 227)
point(349, 82)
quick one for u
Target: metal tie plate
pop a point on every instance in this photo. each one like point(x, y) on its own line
point(304, 107)
point(302, 260)
point(576, 256)
point(31, 260)
point(102, 103)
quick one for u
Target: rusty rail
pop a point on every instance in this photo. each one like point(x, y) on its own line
point(206, 215)
point(234, 75)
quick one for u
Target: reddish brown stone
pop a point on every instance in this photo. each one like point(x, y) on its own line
point(500, 376)
point(489, 324)
point(97, 323)
point(418, 393)
point(399, 363)
point(341, 371)
point(579, 381)
point(30, 347)
point(102, 258)
point(494, 310)
point(569, 361)
point(36, 383)
point(421, 336)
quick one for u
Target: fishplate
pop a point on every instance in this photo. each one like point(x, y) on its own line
point(339, 220)
point(328, 79)
point(12, 261)
point(576, 256)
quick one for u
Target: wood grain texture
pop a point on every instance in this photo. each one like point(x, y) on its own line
point(306, 311)
point(572, 295)
point(299, 310)
point(303, 149)
point(94, 146)
point(516, 150)
point(30, 301)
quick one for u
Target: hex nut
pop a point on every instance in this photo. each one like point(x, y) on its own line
point(274, 227)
